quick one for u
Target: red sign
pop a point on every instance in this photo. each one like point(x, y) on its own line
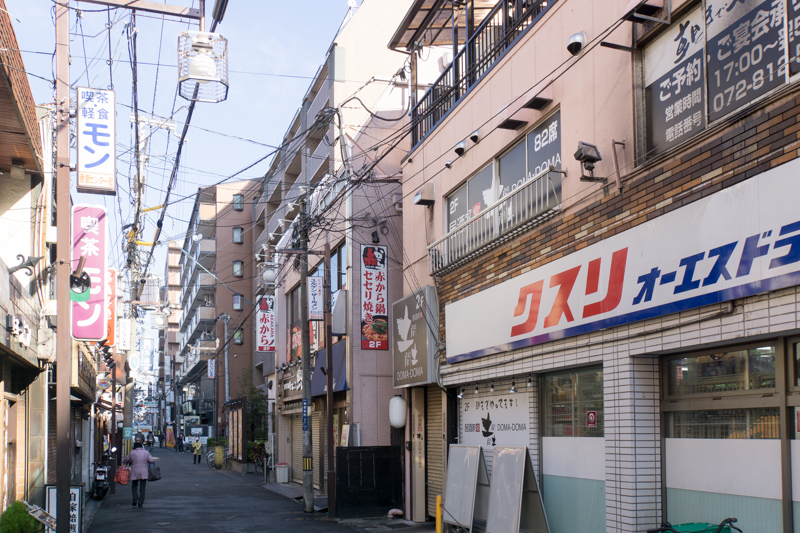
point(89, 240)
point(591, 419)
point(265, 324)
point(374, 294)
point(111, 305)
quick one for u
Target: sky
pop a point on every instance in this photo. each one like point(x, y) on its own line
point(274, 48)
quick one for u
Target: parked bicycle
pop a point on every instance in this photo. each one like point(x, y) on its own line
point(211, 458)
point(666, 527)
point(258, 458)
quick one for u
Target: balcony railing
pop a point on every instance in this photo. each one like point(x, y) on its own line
point(497, 33)
point(533, 203)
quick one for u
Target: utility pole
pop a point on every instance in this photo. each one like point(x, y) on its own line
point(63, 267)
point(308, 450)
point(329, 390)
point(226, 317)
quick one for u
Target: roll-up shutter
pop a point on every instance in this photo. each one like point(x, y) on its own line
point(297, 448)
point(316, 440)
point(435, 434)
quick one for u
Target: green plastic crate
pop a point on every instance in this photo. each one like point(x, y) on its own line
point(700, 527)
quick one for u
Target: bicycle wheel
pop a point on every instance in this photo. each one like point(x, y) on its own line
point(210, 459)
point(259, 466)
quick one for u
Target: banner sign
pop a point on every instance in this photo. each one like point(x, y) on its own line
point(111, 306)
point(316, 300)
point(415, 325)
point(495, 420)
point(265, 324)
point(90, 241)
point(124, 327)
point(97, 141)
point(374, 293)
point(212, 368)
point(741, 241)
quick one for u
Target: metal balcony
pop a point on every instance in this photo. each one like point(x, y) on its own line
point(204, 253)
point(535, 202)
point(499, 32)
point(196, 294)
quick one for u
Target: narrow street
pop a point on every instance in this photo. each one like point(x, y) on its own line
point(192, 497)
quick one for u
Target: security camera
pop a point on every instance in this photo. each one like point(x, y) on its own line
point(475, 136)
point(460, 148)
point(448, 164)
point(576, 43)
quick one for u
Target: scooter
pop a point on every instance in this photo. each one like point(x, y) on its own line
point(100, 482)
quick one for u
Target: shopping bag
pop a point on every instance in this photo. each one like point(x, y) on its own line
point(123, 475)
point(153, 473)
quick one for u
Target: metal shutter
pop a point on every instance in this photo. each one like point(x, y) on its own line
point(316, 441)
point(435, 435)
point(297, 448)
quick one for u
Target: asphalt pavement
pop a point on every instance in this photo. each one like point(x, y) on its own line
point(195, 498)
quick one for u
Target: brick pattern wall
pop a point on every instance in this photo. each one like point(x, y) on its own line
point(722, 156)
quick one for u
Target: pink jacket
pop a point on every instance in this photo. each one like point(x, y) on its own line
point(138, 460)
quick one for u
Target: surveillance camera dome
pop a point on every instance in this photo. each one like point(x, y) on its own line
point(460, 148)
point(576, 43)
point(448, 164)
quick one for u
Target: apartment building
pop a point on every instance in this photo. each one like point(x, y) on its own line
point(214, 353)
point(600, 195)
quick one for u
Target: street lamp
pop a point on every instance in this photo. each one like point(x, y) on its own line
point(203, 66)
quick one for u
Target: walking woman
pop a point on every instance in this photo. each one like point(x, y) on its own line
point(138, 459)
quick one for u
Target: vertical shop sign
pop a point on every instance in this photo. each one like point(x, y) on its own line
point(746, 52)
point(316, 300)
point(374, 311)
point(673, 79)
point(212, 368)
point(111, 306)
point(124, 327)
point(265, 324)
point(415, 321)
point(89, 240)
point(97, 140)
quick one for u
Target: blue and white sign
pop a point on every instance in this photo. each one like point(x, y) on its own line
point(97, 141)
point(316, 300)
point(741, 241)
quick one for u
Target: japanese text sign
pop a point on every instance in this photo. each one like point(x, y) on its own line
point(90, 241)
point(212, 368)
point(111, 306)
point(415, 330)
point(316, 300)
point(500, 420)
point(97, 139)
point(374, 309)
point(742, 241)
point(265, 324)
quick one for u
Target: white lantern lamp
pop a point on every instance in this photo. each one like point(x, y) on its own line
point(397, 412)
point(203, 66)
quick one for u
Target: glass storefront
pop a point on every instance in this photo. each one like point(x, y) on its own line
point(573, 403)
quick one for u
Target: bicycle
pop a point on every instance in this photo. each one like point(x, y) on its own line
point(258, 458)
point(211, 459)
point(666, 527)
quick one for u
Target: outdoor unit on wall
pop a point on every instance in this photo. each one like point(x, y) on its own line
point(203, 66)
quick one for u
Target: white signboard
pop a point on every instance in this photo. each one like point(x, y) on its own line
point(265, 324)
point(212, 368)
point(124, 334)
point(97, 140)
point(491, 421)
point(741, 241)
point(75, 506)
point(316, 300)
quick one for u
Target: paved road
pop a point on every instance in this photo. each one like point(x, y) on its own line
point(197, 499)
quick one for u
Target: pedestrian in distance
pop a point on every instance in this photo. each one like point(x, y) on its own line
point(138, 460)
point(197, 449)
point(179, 443)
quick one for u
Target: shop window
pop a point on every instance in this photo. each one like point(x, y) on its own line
point(238, 336)
point(238, 235)
point(238, 269)
point(238, 202)
point(573, 403)
point(722, 372)
point(725, 424)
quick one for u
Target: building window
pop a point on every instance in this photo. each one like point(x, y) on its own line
point(719, 60)
point(574, 403)
point(238, 269)
point(237, 302)
point(535, 153)
point(238, 235)
point(238, 336)
point(735, 380)
point(238, 202)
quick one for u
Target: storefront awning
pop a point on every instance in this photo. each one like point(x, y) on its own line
point(319, 380)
